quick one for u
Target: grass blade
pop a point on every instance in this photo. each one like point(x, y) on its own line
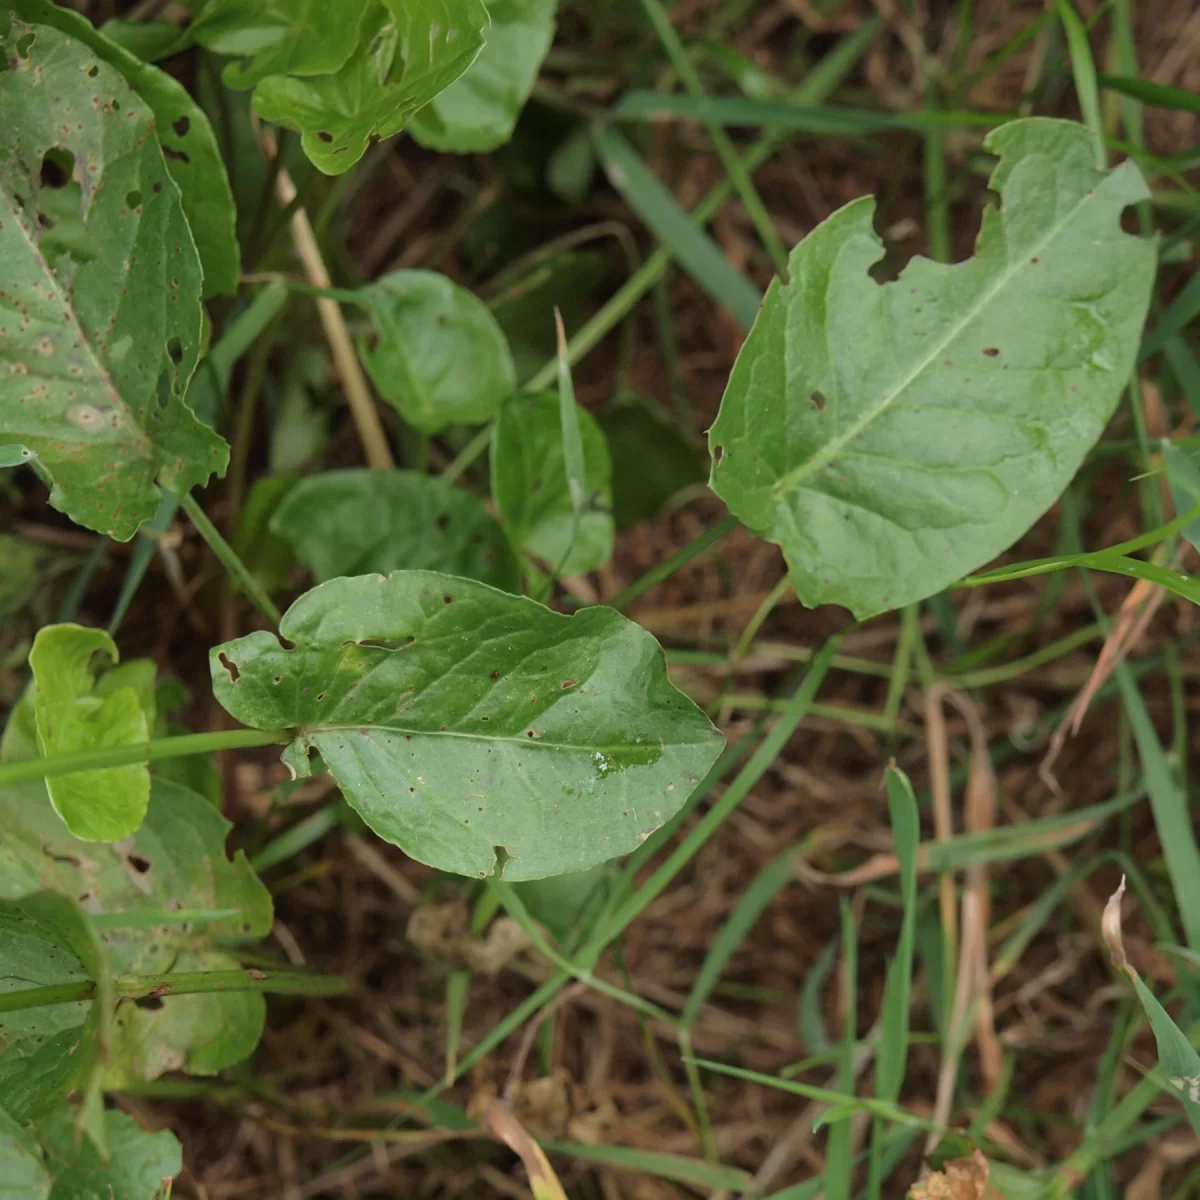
point(734, 167)
point(1169, 806)
point(784, 115)
point(750, 906)
point(1181, 313)
point(839, 1149)
point(1084, 70)
point(694, 250)
point(892, 1056)
point(689, 1171)
point(870, 1104)
point(1160, 95)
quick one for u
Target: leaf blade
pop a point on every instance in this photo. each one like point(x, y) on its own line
point(74, 712)
point(176, 857)
point(359, 522)
point(182, 127)
point(457, 718)
point(440, 358)
point(96, 386)
point(531, 488)
point(885, 473)
point(479, 110)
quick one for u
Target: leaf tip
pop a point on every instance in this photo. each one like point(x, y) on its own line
point(1110, 928)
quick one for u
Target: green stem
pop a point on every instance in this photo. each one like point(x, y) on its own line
point(182, 983)
point(229, 560)
point(187, 983)
point(121, 756)
point(471, 451)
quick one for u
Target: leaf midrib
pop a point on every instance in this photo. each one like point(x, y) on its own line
point(306, 731)
point(792, 480)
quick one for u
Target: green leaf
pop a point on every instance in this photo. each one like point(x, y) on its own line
point(891, 438)
point(438, 357)
point(360, 522)
point(559, 902)
point(280, 37)
point(1177, 1057)
point(71, 714)
point(19, 742)
point(694, 250)
point(174, 861)
point(479, 110)
point(183, 130)
point(651, 463)
point(1160, 95)
point(98, 363)
point(457, 719)
point(47, 1053)
point(408, 51)
point(151, 41)
point(139, 1165)
point(23, 1173)
point(529, 485)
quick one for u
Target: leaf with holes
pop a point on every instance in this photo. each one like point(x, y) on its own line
point(185, 135)
point(529, 485)
point(73, 714)
point(438, 355)
point(361, 522)
point(100, 322)
point(479, 110)
point(138, 1165)
point(48, 1053)
point(176, 860)
point(407, 52)
point(891, 438)
point(458, 719)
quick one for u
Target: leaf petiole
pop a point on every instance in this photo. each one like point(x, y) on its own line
point(229, 560)
point(181, 983)
point(120, 756)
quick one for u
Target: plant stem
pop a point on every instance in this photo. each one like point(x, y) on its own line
point(474, 448)
point(181, 983)
point(229, 560)
point(121, 756)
